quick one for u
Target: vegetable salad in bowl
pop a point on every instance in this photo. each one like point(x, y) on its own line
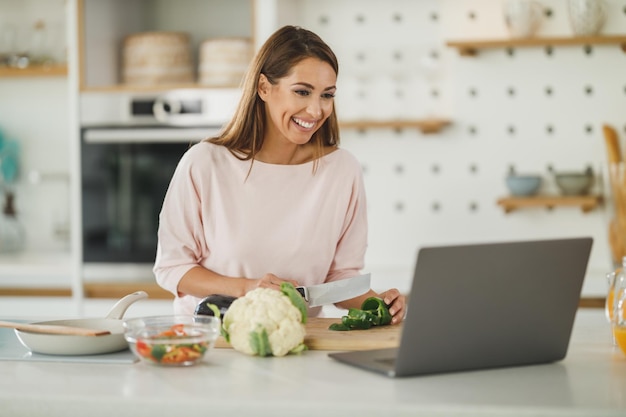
point(172, 340)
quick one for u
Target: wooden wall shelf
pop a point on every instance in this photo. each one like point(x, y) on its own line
point(471, 47)
point(117, 88)
point(35, 71)
point(586, 203)
point(426, 126)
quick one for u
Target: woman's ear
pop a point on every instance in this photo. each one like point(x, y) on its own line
point(263, 87)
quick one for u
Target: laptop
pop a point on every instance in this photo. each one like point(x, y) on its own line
point(481, 306)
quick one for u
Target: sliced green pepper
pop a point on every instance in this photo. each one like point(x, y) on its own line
point(373, 312)
point(340, 327)
point(377, 307)
point(356, 323)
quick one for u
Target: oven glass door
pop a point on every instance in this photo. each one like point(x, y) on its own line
point(125, 174)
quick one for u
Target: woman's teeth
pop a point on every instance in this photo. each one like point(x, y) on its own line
point(306, 125)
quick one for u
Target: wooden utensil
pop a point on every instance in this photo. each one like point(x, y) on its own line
point(613, 149)
point(54, 329)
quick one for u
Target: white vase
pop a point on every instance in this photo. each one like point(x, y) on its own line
point(522, 17)
point(586, 16)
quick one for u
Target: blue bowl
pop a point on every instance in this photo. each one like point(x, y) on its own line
point(523, 185)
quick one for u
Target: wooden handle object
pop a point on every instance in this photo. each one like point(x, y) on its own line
point(54, 329)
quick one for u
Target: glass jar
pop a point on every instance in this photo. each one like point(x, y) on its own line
point(619, 322)
point(616, 301)
point(12, 234)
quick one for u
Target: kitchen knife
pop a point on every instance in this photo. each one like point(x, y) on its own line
point(314, 295)
point(335, 291)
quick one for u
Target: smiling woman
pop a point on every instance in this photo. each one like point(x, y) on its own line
point(273, 198)
point(295, 110)
point(286, 68)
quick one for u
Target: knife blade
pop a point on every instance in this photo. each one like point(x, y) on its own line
point(335, 291)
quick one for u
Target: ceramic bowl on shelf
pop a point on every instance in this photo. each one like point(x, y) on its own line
point(172, 340)
point(574, 183)
point(523, 185)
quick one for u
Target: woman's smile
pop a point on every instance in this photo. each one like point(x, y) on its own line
point(304, 124)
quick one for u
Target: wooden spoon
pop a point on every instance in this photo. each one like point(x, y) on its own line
point(54, 329)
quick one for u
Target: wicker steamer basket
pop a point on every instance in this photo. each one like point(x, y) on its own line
point(151, 58)
point(224, 61)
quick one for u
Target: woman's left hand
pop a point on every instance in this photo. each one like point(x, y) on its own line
point(396, 303)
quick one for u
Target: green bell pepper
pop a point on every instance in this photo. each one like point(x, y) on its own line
point(379, 309)
point(373, 312)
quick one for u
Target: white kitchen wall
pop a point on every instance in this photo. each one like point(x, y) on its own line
point(443, 188)
point(422, 189)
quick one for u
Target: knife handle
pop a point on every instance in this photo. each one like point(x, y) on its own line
point(303, 292)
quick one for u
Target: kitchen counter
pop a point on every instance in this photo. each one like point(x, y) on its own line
point(590, 381)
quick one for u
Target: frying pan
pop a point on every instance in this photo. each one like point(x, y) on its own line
point(61, 344)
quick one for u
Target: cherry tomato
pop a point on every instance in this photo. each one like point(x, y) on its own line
point(143, 349)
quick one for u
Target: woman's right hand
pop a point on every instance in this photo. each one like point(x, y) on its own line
point(269, 281)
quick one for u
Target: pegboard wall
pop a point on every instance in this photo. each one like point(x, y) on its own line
point(536, 109)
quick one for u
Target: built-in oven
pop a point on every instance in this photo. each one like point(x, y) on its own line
point(130, 146)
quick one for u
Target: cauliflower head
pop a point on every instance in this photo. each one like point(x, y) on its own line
point(266, 322)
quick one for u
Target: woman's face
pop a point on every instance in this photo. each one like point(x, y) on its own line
point(299, 103)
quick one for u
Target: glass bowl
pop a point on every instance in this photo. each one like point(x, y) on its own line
point(172, 340)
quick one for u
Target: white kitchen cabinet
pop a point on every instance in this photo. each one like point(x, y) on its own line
point(34, 111)
point(103, 25)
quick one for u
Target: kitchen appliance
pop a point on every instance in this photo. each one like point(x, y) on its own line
point(130, 146)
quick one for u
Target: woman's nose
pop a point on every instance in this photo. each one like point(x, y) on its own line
point(315, 109)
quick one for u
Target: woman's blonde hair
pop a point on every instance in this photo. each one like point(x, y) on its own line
point(243, 135)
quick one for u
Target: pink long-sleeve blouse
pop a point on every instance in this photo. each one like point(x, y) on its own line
point(281, 219)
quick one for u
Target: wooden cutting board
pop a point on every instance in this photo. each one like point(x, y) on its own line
point(318, 337)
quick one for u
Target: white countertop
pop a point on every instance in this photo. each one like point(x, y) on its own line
point(590, 381)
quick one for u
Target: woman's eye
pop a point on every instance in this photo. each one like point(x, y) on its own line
point(328, 95)
point(303, 93)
